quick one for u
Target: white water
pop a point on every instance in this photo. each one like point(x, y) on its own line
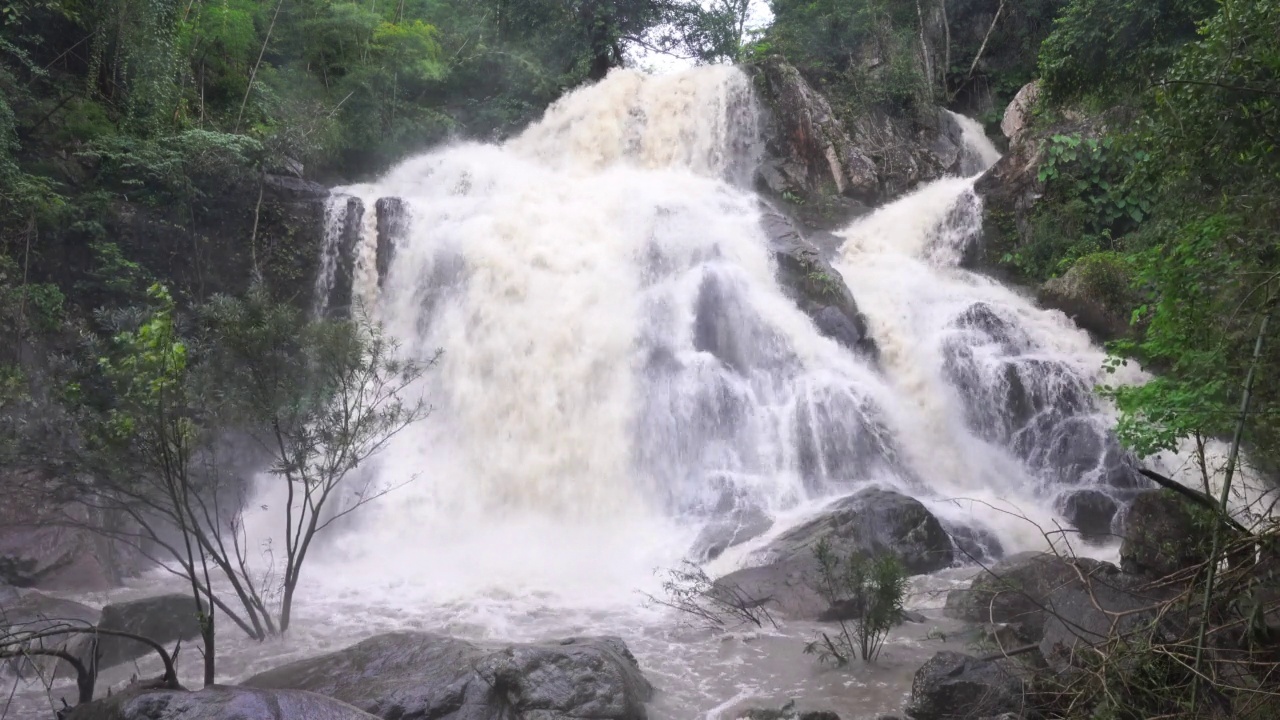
point(621, 366)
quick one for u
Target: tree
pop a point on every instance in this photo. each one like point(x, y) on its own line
point(866, 593)
point(166, 440)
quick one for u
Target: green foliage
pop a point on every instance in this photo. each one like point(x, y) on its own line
point(871, 590)
point(1102, 47)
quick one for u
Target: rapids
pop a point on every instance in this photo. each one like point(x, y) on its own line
point(621, 366)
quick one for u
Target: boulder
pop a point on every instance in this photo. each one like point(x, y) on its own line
point(952, 686)
point(816, 286)
point(868, 523)
point(1163, 534)
point(51, 545)
point(34, 612)
point(1091, 512)
point(974, 543)
point(422, 676)
point(1095, 293)
point(1019, 113)
point(165, 619)
point(1017, 591)
point(217, 703)
point(1082, 615)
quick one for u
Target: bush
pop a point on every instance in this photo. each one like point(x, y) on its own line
point(866, 596)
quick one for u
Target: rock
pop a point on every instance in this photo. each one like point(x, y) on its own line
point(343, 258)
point(165, 619)
point(1018, 115)
point(974, 543)
point(742, 525)
point(1163, 534)
point(952, 686)
point(818, 288)
point(870, 522)
point(34, 612)
point(1017, 591)
point(787, 712)
point(1082, 615)
point(217, 703)
point(1095, 293)
point(393, 227)
point(293, 188)
point(811, 153)
point(421, 676)
point(49, 544)
point(1089, 511)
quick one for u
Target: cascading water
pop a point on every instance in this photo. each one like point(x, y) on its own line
point(621, 364)
point(622, 367)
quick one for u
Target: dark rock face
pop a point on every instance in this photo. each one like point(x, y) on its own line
point(1163, 533)
point(420, 676)
point(164, 619)
point(343, 257)
point(393, 227)
point(871, 522)
point(1091, 512)
point(952, 686)
point(817, 287)
point(218, 703)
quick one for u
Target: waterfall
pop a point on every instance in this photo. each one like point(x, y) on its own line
point(622, 365)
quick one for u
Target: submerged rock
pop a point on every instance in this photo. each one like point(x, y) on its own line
point(952, 686)
point(869, 523)
point(422, 676)
point(217, 703)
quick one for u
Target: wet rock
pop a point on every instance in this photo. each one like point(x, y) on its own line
point(165, 619)
point(392, 227)
point(787, 712)
point(218, 703)
point(1163, 534)
point(974, 543)
point(421, 676)
point(743, 524)
point(33, 612)
point(340, 299)
point(1017, 591)
point(952, 686)
point(868, 523)
point(1091, 512)
point(818, 288)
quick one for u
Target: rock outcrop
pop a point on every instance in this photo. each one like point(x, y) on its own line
point(817, 287)
point(421, 676)
point(217, 703)
point(869, 523)
point(843, 164)
point(1094, 293)
point(952, 686)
